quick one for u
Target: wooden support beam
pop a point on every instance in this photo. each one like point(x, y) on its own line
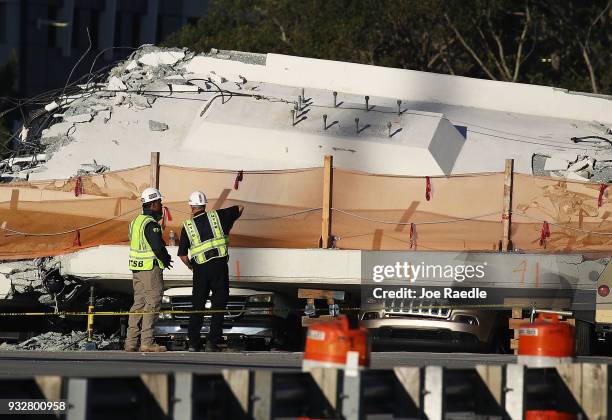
point(320, 294)
point(14, 199)
point(154, 180)
point(326, 220)
point(507, 210)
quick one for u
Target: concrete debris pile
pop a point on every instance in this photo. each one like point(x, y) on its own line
point(28, 276)
point(54, 341)
point(594, 167)
point(92, 169)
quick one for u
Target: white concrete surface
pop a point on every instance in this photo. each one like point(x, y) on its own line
point(502, 120)
point(263, 267)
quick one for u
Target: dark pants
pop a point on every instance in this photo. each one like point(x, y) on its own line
point(209, 277)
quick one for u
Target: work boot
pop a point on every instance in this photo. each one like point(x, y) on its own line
point(152, 348)
point(129, 349)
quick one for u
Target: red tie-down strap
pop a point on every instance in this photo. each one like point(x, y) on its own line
point(428, 190)
point(239, 177)
point(166, 216)
point(544, 234)
point(77, 239)
point(602, 190)
point(413, 236)
point(78, 187)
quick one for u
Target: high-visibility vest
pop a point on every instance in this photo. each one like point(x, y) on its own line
point(199, 248)
point(141, 253)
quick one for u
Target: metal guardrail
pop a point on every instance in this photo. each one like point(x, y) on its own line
point(435, 393)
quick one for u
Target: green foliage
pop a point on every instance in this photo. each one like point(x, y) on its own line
point(564, 44)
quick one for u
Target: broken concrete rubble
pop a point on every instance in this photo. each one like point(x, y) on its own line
point(27, 276)
point(55, 341)
point(92, 169)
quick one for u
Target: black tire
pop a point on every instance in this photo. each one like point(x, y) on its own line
point(584, 338)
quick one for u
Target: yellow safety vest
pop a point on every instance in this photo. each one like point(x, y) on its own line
point(219, 241)
point(141, 253)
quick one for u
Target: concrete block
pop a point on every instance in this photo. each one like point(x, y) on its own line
point(555, 164)
point(116, 83)
point(161, 57)
point(80, 118)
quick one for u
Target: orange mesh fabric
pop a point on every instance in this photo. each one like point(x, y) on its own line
point(283, 209)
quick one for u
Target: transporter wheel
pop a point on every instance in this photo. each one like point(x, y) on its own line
point(584, 338)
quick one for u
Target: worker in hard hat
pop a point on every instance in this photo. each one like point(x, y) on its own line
point(205, 237)
point(148, 257)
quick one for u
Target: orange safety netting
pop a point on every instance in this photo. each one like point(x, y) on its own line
point(283, 209)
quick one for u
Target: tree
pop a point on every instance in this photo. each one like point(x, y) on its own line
point(562, 44)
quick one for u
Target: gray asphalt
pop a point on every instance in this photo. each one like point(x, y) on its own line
point(15, 364)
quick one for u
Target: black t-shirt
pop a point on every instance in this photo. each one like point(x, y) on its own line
point(227, 217)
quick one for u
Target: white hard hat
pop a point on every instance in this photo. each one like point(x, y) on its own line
point(197, 198)
point(150, 194)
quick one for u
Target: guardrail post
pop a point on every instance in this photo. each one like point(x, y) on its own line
point(183, 388)
point(262, 395)
point(154, 181)
point(515, 391)
point(506, 244)
point(326, 220)
point(351, 394)
point(433, 398)
point(595, 390)
point(77, 399)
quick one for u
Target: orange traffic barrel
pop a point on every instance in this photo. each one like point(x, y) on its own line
point(546, 342)
point(548, 415)
point(328, 343)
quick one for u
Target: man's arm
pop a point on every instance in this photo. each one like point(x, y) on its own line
point(184, 248)
point(153, 234)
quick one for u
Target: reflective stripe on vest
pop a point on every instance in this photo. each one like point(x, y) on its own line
point(219, 241)
point(141, 253)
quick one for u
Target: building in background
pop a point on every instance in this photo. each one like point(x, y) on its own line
point(49, 36)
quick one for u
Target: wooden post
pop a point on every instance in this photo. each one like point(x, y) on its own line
point(154, 182)
point(326, 220)
point(507, 210)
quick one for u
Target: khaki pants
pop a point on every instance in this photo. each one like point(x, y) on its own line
point(148, 289)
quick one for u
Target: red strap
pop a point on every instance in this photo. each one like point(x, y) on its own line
point(413, 236)
point(77, 239)
point(167, 214)
point(78, 187)
point(544, 234)
point(428, 191)
point(238, 179)
point(602, 189)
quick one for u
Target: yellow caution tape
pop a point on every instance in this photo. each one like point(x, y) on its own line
point(230, 311)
